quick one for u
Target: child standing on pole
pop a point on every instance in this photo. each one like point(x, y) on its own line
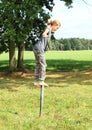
point(39, 49)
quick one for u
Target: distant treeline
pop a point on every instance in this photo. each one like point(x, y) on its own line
point(71, 44)
point(66, 44)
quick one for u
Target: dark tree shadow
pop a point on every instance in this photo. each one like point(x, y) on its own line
point(60, 73)
point(54, 65)
point(62, 65)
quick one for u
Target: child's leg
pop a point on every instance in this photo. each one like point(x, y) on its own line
point(41, 67)
point(40, 70)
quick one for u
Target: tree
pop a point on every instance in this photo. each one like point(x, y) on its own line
point(19, 20)
point(68, 3)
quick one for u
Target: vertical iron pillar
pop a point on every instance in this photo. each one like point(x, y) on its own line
point(41, 99)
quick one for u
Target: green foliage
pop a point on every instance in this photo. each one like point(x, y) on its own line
point(66, 44)
point(68, 3)
point(21, 19)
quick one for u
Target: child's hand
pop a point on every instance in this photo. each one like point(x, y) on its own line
point(45, 33)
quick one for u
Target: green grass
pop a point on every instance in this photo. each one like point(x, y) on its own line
point(67, 100)
point(57, 61)
point(63, 60)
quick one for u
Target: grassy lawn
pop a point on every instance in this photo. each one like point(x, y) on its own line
point(63, 60)
point(67, 100)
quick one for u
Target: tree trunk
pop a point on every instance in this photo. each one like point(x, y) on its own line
point(20, 56)
point(12, 58)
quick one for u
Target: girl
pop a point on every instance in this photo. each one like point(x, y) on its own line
point(39, 49)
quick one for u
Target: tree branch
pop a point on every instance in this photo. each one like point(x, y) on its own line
point(86, 3)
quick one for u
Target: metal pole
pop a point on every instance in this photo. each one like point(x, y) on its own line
point(41, 99)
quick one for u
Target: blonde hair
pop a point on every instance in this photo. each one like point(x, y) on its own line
point(54, 22)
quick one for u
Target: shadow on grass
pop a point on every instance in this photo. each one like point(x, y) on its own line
point(60, 73)
point(14, 81)
point(55, 65)
point(62, 65)
point(66, 79)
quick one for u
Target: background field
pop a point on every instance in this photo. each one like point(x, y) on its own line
point(67, 101)
point(56, 60)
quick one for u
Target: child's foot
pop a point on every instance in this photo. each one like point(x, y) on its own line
point(39, 84)
point(36, 84)
point(43, 83)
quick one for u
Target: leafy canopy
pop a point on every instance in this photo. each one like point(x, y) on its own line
point(23, 20)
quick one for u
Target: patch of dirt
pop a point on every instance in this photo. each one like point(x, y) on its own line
point(16, 74)
point(29, 74)
point(88, 72)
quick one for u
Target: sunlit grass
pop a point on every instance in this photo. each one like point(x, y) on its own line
point(67, 100)
point(63, 61)
point(57, 60)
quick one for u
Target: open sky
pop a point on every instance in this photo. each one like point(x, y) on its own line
point(76, 21)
